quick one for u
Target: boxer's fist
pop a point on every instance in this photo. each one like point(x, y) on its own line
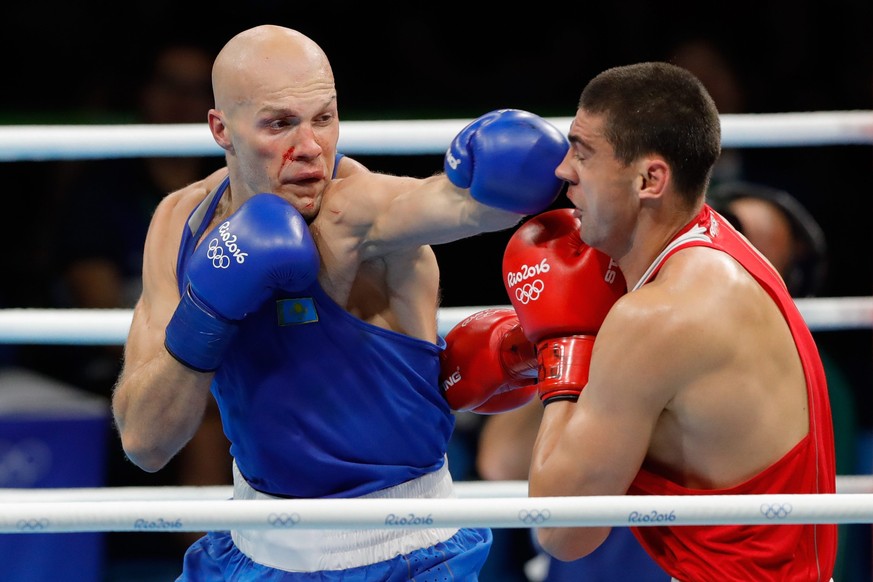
point(263, 247)
point(507, 158)
point(561, 290)
point(488, 365)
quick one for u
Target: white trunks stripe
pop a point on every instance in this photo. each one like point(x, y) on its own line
point(311, 550)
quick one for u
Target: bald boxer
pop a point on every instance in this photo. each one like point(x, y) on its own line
point(703, 378)
point(300, 290)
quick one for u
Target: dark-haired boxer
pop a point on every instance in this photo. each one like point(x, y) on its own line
point(703, 377)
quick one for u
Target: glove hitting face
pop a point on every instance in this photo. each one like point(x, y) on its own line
point(507, 158)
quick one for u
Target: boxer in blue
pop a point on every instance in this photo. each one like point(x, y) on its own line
point(299, 290)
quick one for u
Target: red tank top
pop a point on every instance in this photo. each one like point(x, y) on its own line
point(753, 552)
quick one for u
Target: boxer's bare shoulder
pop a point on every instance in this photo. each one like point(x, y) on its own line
point(175, 208)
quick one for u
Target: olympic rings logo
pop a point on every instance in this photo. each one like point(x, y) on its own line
point(530, 291)
point(32, 524)
point(224, 247)
point(215, 252)
point(534, 516)
point(776, 510)
point(283, 519)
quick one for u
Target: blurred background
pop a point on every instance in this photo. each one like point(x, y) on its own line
point(94, 63)
point(83, 62)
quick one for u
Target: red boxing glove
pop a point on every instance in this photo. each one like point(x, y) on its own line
point(562, 290)
point(488, 365)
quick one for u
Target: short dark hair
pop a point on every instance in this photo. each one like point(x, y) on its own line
point(659, 108)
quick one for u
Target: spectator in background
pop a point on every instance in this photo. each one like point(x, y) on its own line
point(780, 227)
point(108, 206)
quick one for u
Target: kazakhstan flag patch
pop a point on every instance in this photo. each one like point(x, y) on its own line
point(296, 311)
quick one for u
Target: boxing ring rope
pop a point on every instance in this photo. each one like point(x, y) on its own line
point(479, 504)
point(508, 512)
point(110, 326)
point(399, 137)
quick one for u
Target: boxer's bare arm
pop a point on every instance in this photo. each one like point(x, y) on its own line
point(158, 403)
point(390, 213)
point(597, 445)
point(695, 372)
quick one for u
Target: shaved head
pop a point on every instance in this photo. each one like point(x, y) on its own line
point(268, 61)
point(276, 115)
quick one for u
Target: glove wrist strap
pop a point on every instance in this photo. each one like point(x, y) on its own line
point(197, 336)
point(563, 365)
point(557, 397)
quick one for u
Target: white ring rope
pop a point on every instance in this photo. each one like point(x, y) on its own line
point(497, 512)
point(110, 326)
point(398, 137)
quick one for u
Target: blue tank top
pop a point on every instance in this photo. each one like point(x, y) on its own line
point(316, 402)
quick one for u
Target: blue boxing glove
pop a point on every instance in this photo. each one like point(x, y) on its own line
point(263, 247)
point(507, 158)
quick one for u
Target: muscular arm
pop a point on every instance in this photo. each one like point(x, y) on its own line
point(158, 403)
point(443, 213)
point(597, 445)
point(401, 213)
point(497, 169)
